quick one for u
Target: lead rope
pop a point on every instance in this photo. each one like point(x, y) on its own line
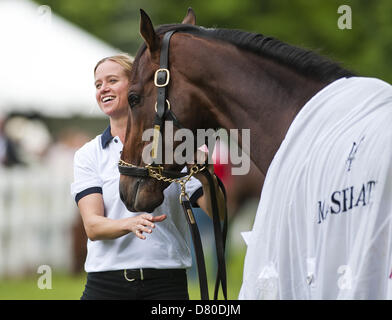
point(197, 244)
point(220, 237)
point(219, 233)
point(195, 233)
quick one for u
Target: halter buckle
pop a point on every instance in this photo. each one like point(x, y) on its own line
point(156, 105)
point(156, 77)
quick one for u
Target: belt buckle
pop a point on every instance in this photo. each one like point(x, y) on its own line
point(130, 280)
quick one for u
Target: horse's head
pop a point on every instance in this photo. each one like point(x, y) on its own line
point(157, 100)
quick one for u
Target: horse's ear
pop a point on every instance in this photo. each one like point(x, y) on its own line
point(190, 17)
point(147, 32)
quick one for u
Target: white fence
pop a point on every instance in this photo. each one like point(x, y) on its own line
point(36, 217)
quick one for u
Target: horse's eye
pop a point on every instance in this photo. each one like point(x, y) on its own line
point(133, 99)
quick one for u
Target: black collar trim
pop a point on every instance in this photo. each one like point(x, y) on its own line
point(106, 137)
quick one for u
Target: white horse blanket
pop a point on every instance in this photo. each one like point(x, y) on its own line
point(323, 228)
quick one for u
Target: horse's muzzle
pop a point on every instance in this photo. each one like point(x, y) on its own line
point(140, 194)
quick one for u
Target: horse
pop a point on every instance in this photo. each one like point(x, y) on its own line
point(319, 134)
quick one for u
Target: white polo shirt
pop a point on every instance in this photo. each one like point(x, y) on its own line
point(168, 246)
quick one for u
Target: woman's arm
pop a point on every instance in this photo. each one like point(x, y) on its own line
point(99, 227)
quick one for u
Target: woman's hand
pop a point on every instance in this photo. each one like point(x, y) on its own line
point(142, 223)
point(99, 227)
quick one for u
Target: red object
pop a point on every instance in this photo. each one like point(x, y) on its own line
point(222, 170)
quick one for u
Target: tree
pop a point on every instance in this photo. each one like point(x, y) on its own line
point(366, 48)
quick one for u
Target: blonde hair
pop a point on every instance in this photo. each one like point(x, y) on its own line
point(123, 59)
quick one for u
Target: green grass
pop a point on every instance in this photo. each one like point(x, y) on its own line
point(64, 287)
point(67, 287)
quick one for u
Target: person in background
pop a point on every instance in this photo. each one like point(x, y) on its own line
point(8, 154)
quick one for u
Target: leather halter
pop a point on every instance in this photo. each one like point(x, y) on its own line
point(162, 113)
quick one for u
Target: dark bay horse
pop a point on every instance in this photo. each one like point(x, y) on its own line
point(233, 79)
point(220, 79)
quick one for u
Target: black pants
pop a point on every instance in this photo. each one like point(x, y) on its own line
point(156, 284)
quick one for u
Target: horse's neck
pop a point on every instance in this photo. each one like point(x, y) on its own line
point(260, 95)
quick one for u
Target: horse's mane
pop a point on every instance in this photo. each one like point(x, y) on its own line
point(305, 62)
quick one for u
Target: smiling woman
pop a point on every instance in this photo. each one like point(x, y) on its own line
point(130, 255)
point(111, 83)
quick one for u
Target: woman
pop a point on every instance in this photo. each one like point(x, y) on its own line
point(130, 255)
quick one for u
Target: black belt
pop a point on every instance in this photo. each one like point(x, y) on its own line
point(146, 273)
